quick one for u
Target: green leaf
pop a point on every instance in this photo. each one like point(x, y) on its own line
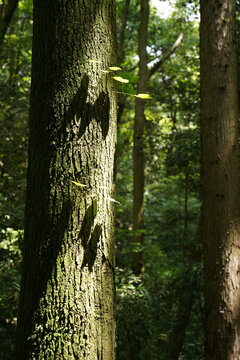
point(120, 79)
point(114, 68)
point(105, 71)
point(143, 96)
point(113, 200)
point(78, 184)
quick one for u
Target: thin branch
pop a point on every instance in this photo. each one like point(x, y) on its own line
point(166, 55)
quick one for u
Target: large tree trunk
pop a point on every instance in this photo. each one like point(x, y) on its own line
point(221, 179)
point(67, 290)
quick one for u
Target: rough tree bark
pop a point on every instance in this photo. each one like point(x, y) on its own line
point(220, 177)
point(67, 290)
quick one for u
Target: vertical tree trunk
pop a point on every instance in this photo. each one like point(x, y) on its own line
point(121, 48)
point(186, 201)
point(67, 290)
point(138, 159)
point(139, 123)
point(121, 53)
point(6, 13)
point(220, 176)
point(177, 335)
point(186, 299)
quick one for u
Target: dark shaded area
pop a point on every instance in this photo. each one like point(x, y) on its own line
point(82, 112)
point(38, 265)
point(87, 223)
point(177, 335)
point(91, 248)
point(89, 242)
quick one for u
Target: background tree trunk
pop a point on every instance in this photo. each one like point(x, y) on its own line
point(6, 13)
point(220, 176)
point(177, 334)
point(138, 158)
point(121, 47)
point(67, 290)
point(139, 123)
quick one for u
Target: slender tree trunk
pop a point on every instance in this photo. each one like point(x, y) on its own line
point(238, 71)
point(220, 176)
point(121, 48)
point(67, 290)
point(186, 201)
point(139, 123)
point(6, 12)
point(185, 302)
point(138, 159)
point(121, 54)
point(177, 335)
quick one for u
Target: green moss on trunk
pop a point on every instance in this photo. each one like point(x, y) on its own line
point(67, 292)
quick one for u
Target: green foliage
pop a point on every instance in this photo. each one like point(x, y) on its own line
point(131, 31)
point(14, 104)
point(15, 67)
point(10, 258)
point(147, 309)
point(135, 318)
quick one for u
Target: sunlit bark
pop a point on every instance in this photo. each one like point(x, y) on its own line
point(67, 290)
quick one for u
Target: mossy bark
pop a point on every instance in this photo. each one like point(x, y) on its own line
point(221, 179)
point(67, 290)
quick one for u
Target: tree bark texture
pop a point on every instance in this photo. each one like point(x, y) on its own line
point(220, 176)
point(67, 290)
point(138, 157)
point(7, 9)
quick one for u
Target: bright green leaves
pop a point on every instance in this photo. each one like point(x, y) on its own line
point(78, 184)
point(83, 185)
point(95, 61)
point(144, 96)
point(114, 68)
point(120, 79)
